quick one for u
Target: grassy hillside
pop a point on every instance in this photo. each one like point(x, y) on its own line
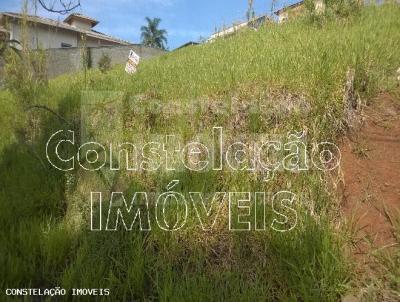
point(287, 77)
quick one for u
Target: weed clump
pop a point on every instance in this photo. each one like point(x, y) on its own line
point(105, 63)
point(304, 69)
point(25, 74)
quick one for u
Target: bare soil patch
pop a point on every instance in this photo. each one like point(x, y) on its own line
point(371, 175)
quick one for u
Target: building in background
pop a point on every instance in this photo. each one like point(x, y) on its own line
point(75, 31)
point(228, 31)
point(190, 43)
point(290, 11)
point(283, 14)
point(297, 9)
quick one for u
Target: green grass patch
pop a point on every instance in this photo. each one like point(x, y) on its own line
point(45, 240)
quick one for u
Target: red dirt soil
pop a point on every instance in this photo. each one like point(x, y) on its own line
point(371, 172)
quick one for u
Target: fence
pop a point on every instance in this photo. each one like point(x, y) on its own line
point(69, 60)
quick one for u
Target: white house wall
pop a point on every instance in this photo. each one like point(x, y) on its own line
point(81, 24)
point(45, 37)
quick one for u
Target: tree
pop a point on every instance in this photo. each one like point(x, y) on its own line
point(59, 6)
point(250, 10)
point(153, 36)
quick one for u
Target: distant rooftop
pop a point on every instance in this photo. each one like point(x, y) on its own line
point(226, 31)
point(283, 9)
point(191, 43)
point(64, 25)
point(77, 16)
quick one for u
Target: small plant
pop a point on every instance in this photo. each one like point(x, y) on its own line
point(361, 150)
point(105, 63)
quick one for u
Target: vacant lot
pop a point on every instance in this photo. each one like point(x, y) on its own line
point(280, 79)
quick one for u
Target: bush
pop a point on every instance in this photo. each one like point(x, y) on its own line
point(104, 63)
point(334, 8)
point(343, 8)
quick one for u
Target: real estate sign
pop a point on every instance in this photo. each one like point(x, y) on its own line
point(133, 62)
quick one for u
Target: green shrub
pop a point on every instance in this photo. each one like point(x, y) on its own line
point(343, 8)
point(105, 63)
point(333, 9)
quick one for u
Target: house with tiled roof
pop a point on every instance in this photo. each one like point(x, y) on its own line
point(75, 31)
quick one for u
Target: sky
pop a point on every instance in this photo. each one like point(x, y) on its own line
point(184, 20)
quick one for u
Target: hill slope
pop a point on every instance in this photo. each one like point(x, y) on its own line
point(256, 85)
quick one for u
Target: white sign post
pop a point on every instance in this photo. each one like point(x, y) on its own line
point(133, 62)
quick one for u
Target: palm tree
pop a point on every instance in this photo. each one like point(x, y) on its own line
point(153, 36)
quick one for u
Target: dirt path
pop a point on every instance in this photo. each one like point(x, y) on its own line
point(371, 171)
